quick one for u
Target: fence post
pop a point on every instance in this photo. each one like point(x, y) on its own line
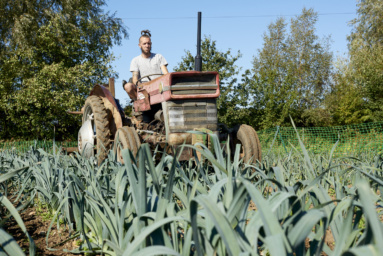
point(283, 143)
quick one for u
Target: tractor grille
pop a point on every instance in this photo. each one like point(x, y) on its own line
point(197, 91)
point(186, 115)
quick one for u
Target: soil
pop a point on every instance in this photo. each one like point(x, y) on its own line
point(37, 229)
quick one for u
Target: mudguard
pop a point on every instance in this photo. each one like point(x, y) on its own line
point(110, 103)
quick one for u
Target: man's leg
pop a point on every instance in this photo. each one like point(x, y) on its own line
point(131, 89)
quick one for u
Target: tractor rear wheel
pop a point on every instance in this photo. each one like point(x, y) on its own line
point(247, 137)
point(95, 111)
point(126, 138)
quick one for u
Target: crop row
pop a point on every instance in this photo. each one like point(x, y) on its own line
point(286, 205)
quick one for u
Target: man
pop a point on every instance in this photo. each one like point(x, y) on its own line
point(147, 63)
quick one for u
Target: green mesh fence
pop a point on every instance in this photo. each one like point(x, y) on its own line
point(353, 139)
point(24, 146)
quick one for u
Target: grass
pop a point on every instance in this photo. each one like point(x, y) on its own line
point(19, 146)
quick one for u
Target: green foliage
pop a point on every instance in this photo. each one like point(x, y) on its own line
point(213, 206)
point(366, 55)
point(345, 103)
point(128, 110)
point(229, 111)
point(51, 55)
point(290, 73)
point(356, 88)
point(24, 146)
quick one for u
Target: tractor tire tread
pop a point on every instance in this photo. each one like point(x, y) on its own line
point(102, 126)
point(129, 140)
point(250, 142)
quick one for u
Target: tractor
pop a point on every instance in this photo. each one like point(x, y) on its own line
point(166, 109)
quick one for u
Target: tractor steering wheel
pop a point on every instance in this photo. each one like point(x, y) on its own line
point(148, 76)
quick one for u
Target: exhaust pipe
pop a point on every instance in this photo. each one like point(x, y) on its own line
point(198, 58)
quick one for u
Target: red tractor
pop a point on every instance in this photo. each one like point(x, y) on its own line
point(166, 109)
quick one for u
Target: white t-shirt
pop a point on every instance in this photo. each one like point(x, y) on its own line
point(148, 66)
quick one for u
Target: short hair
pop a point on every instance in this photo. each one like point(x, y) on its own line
point(144, 33)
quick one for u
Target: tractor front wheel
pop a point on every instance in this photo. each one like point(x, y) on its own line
point(126, 138)
point(247, 137)
point(96, 123)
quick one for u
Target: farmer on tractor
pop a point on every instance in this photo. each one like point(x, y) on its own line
point(147, 63)
point(166, 107)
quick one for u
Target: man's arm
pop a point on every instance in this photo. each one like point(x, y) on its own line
point(135, 77)
point(164, 69)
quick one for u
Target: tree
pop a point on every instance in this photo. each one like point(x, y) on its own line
point(345, 102)
point(224, 63)
point(51, 54)
point(366, 55)
point(291, 73)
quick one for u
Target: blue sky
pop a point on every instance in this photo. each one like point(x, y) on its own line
point(238, 25)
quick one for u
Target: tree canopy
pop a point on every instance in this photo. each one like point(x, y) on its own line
point(51, 54)
point(366, 56)
point(291, 73)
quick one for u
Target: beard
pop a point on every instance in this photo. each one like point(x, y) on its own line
point(144, 51)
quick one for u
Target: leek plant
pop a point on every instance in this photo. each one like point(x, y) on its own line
point(214, 205)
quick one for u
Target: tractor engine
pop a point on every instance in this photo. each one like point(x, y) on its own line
point(173, 104)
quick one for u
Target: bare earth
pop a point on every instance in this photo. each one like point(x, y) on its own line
point(37, 229)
